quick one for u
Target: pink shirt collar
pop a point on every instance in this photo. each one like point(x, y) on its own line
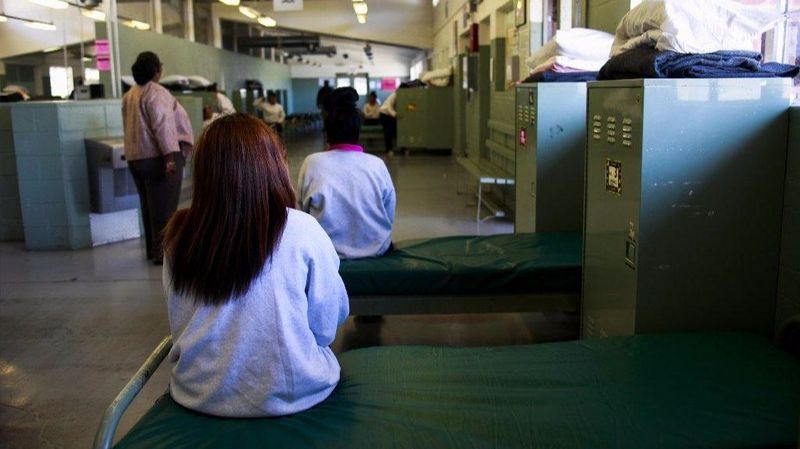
point(346, 147)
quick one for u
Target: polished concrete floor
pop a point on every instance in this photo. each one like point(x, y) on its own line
point(74, 326)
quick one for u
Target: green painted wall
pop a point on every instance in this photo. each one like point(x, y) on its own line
point(477, 113)
point(789, 277)
point(606, 14)
point(182, 57)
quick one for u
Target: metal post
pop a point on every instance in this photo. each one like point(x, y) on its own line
point(158, 18)
point(112, 31)
point(188, 20)
point(64, 42)
point(108, 426)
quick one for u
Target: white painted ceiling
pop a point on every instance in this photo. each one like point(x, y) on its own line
point(401, 22)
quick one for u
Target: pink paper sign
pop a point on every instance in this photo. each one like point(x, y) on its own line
point(103, 63)
point(388, 83)
point(101, 47)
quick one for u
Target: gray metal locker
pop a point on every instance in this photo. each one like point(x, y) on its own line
point(550, 152)
point(684, 197)
point(425, 118)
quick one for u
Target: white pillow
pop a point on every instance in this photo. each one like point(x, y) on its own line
point(437, 75)
point(576, 43)
point(198, 81)
point(174, 80)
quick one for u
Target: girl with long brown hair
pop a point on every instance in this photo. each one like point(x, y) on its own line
point(253, 289)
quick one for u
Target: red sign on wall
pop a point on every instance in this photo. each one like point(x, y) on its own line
point(388, 83)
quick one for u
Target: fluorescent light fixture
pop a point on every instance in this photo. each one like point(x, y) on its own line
point(3, 18)
point(51, 49)
point(94, 14)
point(230, 2)
point(40, 25)
point(360, 8)
point(362, 18)
point(267, 21)
point(136, 24)
point(249, 12)
point(55, 4)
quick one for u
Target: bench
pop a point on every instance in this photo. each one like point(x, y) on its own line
point(485, 173)
point(671, 391)
point(536, 272)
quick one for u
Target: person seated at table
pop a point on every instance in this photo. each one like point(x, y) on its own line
point(254, 295)
point(348, 191)
point(372, 110)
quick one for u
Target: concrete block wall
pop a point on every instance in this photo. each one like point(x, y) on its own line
point(52, 171)
point(789, 274)
point(10, 212)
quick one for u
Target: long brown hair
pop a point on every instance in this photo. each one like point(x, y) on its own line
point(218, 246)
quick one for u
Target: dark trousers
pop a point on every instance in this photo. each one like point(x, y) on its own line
point(389, 124)
point(372, 121)
point(159, 196)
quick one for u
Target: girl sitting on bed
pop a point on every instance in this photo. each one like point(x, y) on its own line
point(348, 191)
point(253, 290)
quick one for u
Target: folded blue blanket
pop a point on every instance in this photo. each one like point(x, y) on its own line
point(559, 77)
point(648, 62)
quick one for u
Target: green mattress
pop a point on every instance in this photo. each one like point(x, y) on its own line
point(646, 392)
point(510, 263)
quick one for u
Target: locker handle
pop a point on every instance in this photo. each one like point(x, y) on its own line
point(630, 253)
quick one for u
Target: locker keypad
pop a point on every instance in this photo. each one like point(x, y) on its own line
point(627, 131)
point(611, 130)
point(597, 127)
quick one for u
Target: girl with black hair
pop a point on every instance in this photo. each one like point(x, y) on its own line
point(348, 191)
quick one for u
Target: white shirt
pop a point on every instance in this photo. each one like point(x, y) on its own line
point(352, 196)
point(388, 106)
point(273, 113)
point(372, 111)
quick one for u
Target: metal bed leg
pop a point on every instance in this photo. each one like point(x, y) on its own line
point(108, 426)
point(480, 199)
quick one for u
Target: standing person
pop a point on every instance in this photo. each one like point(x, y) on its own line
point(323, 96)
point(254, 295)
point(348, 191)
point(158, 137)
point(372, 110)
point(223, 104)
point(272, 111)
point(388, 116)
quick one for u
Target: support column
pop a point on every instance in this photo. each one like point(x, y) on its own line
point(112, 35)
point(188, 20)
point(158, 20)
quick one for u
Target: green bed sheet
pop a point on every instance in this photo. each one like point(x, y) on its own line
point(499, 264)
point(646, 392)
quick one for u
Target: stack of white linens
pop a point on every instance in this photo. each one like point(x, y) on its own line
point(701, 26)
point(574, 50)
point(438, 78)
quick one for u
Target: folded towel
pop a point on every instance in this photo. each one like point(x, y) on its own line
point(566, 64)
point(647, 62)
point(561, 77)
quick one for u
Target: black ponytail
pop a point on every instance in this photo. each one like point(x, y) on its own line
point(343, 123)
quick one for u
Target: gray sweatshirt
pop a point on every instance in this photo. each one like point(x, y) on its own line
point(352, 196)
point(265, 353)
